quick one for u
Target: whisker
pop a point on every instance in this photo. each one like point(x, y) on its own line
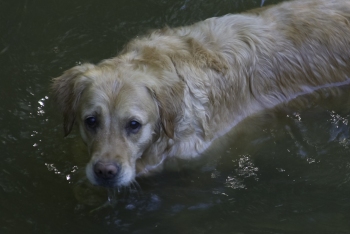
point(130, 190)
point(112, 196)
point(136, 188)
point(132, 187)
point(124, 192)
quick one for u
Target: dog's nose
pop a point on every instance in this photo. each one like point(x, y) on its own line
point(106, 171)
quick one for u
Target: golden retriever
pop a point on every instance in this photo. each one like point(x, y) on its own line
point(172, 92)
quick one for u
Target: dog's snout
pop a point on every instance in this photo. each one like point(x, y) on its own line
point(106, 171)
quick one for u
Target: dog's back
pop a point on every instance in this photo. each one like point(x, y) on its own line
point(260, 58)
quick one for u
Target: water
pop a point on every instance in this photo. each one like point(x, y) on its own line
point(283, 171)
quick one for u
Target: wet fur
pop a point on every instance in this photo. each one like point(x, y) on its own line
point(190, 85)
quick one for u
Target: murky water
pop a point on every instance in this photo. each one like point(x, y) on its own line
point(282, 171)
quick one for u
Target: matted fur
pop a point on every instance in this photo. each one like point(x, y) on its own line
point(190, 85)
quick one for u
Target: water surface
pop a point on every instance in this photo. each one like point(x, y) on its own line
point(283, 171)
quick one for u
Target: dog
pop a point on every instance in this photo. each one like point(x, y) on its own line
point(173, 91)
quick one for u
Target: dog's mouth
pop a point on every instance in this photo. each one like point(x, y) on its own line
point(106, 183)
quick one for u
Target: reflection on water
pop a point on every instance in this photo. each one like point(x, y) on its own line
point(244, 169)
point(283, 170)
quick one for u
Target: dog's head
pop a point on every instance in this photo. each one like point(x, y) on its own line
point(122, 109)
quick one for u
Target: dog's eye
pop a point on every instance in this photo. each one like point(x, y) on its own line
point(134, 126)
point(91, 122)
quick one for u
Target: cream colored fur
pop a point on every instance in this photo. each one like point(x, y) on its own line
point(189, 85)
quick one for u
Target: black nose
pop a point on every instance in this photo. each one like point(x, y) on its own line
point(106, 171)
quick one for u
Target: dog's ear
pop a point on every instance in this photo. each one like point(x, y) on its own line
point(67, 90)
point(169, 99)
point(167, 88)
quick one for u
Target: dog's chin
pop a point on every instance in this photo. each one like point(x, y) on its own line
point(123, 179)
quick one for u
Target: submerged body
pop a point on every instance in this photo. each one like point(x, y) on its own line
point(172, 92)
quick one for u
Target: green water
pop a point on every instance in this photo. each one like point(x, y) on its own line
point(283, 171)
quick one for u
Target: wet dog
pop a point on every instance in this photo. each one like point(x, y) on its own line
point(172, 92)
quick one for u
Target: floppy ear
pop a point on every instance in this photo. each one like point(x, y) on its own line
point(67, 90)
point(167, 88)
point(169, 101)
